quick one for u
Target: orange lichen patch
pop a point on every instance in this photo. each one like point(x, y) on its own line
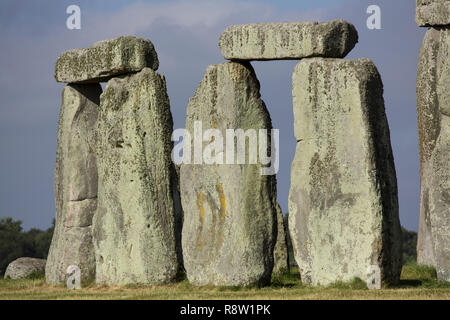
point(222, 199)
point(213, 126)
point(201, 198)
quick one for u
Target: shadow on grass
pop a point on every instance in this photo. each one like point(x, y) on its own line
point(409, 284)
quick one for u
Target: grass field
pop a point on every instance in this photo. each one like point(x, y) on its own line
point(417, 282)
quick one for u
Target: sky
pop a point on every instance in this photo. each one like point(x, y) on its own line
point(185, 34)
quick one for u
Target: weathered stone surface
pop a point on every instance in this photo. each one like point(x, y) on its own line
point(106, 59)
point(280, 252)
point(229, 229)
point(433, 108)
point(75, 184)
point(134, 226)
point(23, 267)
point(291, 40)
point(429, 128)
point(343, 207)
point(439, 201)
point(432, 12)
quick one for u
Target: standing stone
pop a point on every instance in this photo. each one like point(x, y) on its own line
point(343, 207)
point(24, 267)
point(106, 59)
point(432, 12)
point(229, 228)
point(433, 108)
point(75, 184)
point(134, 226)
point(280, 252)
point(289, 40)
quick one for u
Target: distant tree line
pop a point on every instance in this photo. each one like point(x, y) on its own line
point(16, 243)
point(409, 246)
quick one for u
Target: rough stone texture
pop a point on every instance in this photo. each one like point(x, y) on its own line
point(292, 40)
point(229, 229)
point(75, 183)
point(179, 214)
point(440, 201)
point(433, 108)
point(23, 267)
point(343, 207)
point(432, 12)
point(280, 252)
point(134, 226)
point(106, 59)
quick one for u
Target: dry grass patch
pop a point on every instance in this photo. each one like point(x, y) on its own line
point(417, 282)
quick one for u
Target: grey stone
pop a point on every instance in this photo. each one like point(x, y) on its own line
point(343, 207)
point(280, 252)
point(432, 12)
point(433, 108)
point(23, 267)
point(106, 59)
point(134, 226)
point(439, 201)
point(75, 184)
point(229, 229)
point(290, 40)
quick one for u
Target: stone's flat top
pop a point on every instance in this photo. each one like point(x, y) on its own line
point(288, 40)
point(432, 13)
point(23, 267)
point(106, 59)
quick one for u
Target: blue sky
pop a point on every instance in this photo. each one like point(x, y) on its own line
point(185, 34)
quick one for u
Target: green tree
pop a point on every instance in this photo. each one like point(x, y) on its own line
point(43, 241)
point(15, 243)
point(409, 239)
point(11, 242)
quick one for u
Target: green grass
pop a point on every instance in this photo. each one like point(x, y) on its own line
point(417, 282)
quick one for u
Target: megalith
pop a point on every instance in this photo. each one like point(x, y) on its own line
point(433, 108)
point(343, 207)
point(106, 59)
point(134, 226)
point(229, 228)
point(75, 184)
point(288, 40)
point(432, 12)
point(24, 267)
point(280, 252)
